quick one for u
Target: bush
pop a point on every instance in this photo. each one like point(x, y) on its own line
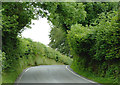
point(26, 49)
point(26, 54)
point(79, 39)
point(100, 42)
point(57, 56)
point(97, 47)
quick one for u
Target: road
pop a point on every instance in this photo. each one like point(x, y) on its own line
point(52, 74)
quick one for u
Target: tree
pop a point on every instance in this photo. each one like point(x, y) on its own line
point(63, 16)
point(58, 40)
point(15, 16)
point(93, 9)
point(119, 12)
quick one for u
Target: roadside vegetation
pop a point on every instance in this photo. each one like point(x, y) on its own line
point(96, 49)
point(29, 53)
point(91, 33)
point(87, 31)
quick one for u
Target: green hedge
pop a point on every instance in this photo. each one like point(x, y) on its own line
point(26, 48)
point(26, 54)
point(97, 47)
point(100, 42)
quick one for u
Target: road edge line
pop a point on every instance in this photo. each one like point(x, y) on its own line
point(80, 76)
point(17, 82)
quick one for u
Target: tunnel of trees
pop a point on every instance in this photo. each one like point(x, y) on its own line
point(89, 31)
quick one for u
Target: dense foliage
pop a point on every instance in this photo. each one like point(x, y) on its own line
point(15, 16)
point(64, 15)
point(17, 52)
point(29, 53)
point(93, 10)
point(101, 42)
point(88, 31)
point(97, 48)
point(94, 38)
point(27, 49)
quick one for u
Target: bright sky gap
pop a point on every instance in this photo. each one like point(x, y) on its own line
point(39, 31)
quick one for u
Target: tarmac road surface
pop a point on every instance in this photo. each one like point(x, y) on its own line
point(51, 75)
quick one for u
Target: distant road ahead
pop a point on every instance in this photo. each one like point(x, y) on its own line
point(52, 74)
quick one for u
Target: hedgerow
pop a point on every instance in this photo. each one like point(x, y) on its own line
point(97, 47)
point(27, 48)
point(29, 53)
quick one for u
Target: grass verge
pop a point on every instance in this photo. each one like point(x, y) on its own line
point(93, 77)
point(11, 75)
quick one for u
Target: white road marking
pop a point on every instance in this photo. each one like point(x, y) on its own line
point(80, 76)
point(23, 74)
point(66, 68)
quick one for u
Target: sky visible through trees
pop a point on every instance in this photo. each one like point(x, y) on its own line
point(39, 31)
point(87, 31)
